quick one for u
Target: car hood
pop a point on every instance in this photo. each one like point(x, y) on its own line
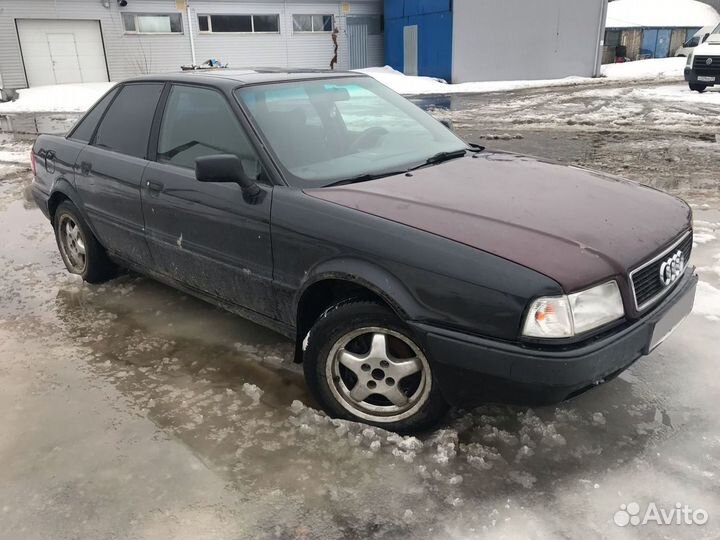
point(576, 226)
point(710, 46)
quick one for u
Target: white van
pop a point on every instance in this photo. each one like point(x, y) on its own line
point(694, 41)
point(703, 64)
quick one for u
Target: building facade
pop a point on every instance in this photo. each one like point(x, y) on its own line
point(642, 29)
point(66, 41)
point(486, 40)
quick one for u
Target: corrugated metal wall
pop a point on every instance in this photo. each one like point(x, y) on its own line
point(434, 22)
point(526, 39)
point(130, 55)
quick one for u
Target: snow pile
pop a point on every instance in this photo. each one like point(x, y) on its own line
point(660, 13)
point(707, 301)
point(58, 98)
point(653, 68)
point(412, 85)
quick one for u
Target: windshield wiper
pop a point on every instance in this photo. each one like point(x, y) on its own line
point(440, 157)
point(364, 178)
point(432, 160)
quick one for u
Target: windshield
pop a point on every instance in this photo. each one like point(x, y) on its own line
point(327, 130)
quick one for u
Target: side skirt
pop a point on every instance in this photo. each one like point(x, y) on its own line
point(277, 326)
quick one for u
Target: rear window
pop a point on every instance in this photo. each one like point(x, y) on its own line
point(86, 127)
point(126, 126)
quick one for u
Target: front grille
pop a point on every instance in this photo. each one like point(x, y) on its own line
point(645, 280)
point(701, 67)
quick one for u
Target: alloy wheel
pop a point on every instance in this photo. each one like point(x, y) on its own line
point(378, 374)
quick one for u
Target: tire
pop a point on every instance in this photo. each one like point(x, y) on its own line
point(698, 87)
point(407, 397)
point(79, 249)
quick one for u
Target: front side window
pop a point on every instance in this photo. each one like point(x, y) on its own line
point(126, 126)
point(239, 23)
point(86, 127)
point(328, 130)
point(313, 23)
point(199, 122)
point(150, 23)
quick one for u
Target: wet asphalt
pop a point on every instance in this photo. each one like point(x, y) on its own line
point(129, 410)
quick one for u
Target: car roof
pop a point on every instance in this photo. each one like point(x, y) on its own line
point(240, 77)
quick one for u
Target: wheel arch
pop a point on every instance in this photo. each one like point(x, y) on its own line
point(62, 191)
point(348, 279)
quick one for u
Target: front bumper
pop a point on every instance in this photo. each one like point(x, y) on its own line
point(691, 76)
point(472, 370)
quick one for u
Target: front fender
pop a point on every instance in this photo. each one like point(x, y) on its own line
point(366, 274)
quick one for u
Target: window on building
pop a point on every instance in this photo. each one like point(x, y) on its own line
point(313, 23)
point(126, 125)
point(151, 23)
point(612, 38)
point(375, 23)
point(239, 24)
point(199, 122)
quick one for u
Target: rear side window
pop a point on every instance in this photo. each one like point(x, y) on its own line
point(200, 122)
point(126, 126)
point(84, 130)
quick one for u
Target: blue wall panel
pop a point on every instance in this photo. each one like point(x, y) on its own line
point(434, 21)
point(394, 42)
point(394, 9)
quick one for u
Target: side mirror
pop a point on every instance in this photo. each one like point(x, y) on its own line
point(225, 168)
point(704, 39)
point(447, 123)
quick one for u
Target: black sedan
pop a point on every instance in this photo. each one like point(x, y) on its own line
point(413, 270)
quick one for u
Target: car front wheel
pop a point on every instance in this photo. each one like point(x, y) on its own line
point(361, 363)
point(698, 87)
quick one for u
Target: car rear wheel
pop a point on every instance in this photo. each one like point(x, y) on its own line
point(698, 87)
point(79, 249)
point(361, 363)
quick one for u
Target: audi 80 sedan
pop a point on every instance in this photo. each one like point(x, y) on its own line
point(413, 270)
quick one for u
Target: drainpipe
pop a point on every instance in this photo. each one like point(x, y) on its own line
point(190, 31)
point(600, 41)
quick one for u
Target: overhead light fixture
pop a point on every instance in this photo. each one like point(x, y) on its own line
point(105, 3)
point(122, 3)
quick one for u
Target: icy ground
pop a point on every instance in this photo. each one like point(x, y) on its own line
point(129, 410)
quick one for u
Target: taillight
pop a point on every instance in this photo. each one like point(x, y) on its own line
point(32, 161)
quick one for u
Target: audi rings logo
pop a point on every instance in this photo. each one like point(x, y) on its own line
point(671, 269)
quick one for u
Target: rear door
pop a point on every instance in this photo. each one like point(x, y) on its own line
point(108, 172)
point(207, 235)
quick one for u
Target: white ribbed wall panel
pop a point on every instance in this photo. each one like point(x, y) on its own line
point(130, 55)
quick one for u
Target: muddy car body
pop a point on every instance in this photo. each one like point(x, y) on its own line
point(412, 270)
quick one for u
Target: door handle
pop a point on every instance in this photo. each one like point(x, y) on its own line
point(85, 167)
point(154, 185)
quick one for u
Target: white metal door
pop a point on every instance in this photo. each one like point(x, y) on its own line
point(410, 50)
point(62, 51)
point(64, 58)
point(357, 45)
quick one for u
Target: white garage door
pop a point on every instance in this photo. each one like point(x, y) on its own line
point(60, 52)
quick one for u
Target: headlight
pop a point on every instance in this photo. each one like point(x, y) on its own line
point(569, 315)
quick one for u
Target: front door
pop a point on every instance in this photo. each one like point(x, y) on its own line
point(207, 235)
point(108, 172)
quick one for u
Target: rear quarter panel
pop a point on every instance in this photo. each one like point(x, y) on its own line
point(55, 158)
